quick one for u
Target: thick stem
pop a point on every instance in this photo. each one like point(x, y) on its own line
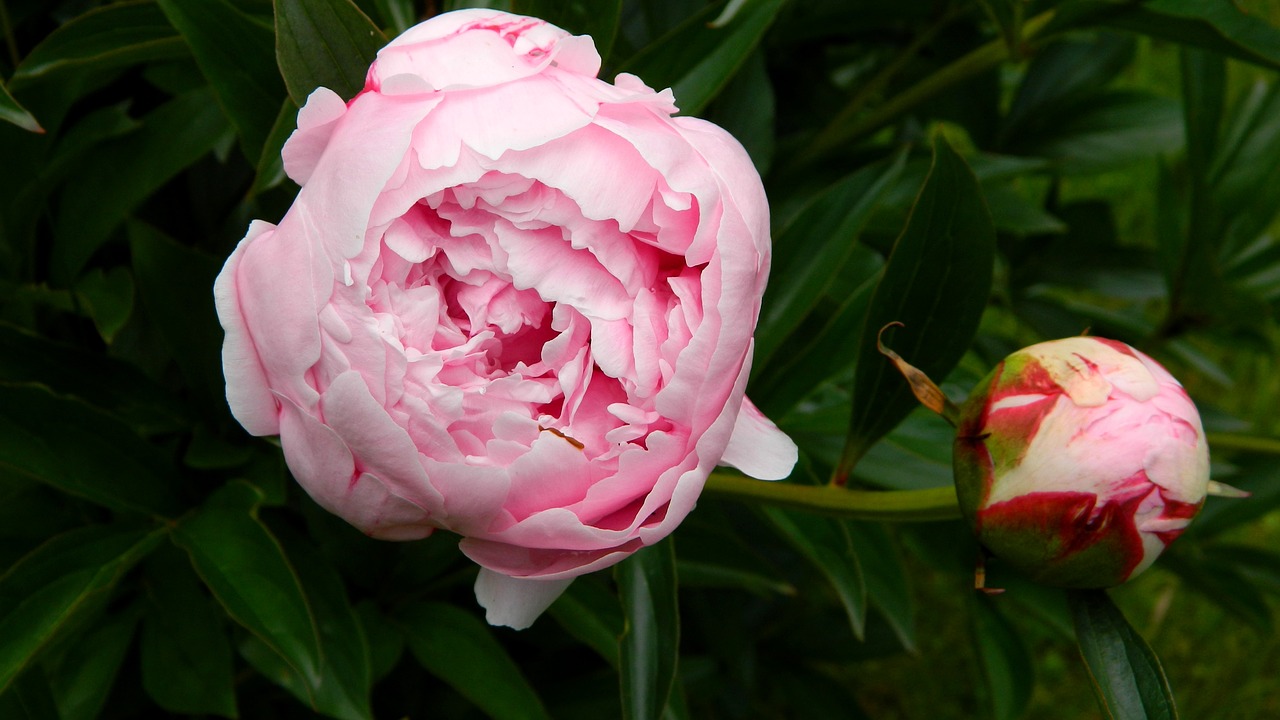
point(1248, 443)
point(890, 505)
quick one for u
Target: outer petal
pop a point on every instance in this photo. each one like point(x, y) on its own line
point(515, 602)
point(758, 448)
point(248, 391)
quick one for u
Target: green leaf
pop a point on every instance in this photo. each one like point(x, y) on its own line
point(1006, 662)
point(590, 613)
point(81, 450)
point(1219, 27)
point(185, 651)
point(386, 643)
point(825, 542)
point(324, 43)
point(48, 592)
point(12, 112)
point(696, 61)
point(458, 648)
point(270, 169)
point(1127, 678)
point(884, 573)
point(234, 51)
point(597, 18)
point(175, 284)
point(102, 39)
point(119, 175)
point(29, 698)
point(108, 298)
point(1217, 576)
point(345, 681)
point(812, 249)
point(936, 283)
point(650, 646)
point(245, 567)
point(83, 678)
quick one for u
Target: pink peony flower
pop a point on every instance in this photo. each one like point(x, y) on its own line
point(511, 300)
point(1079, 460)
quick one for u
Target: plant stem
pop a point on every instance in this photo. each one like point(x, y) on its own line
point(891, 505)
point(980, 60)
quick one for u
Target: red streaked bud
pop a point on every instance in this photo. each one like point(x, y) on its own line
point(1079, 460)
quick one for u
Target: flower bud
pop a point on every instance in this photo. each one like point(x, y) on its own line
point(1078, 461)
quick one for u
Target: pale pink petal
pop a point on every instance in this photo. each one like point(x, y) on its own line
point(248, 389)
point(316, 122)
point(758, 448)
point(515, 602)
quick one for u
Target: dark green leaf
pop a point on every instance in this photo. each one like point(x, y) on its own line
point(1109, 130)
point(58, 584)
point(597, 18)
point(185, 650)
point(696, 60)
point(270, 170)
point(694, 573)
point(936, 283)
point(245, 567)
point(825, 542)
point(82, 679)
point(344, 684)
point(885, 576)
point(590, 613)
point(1127, 678)
point(175, 284)
point(812, 249)
point(124, 172)
point(11, 111)
point(108, 298)
point(234, 51)
point(102, 39)
point(1006, 662)
point(459, 649)
point(324, 43)
point(650, 644)
point(82, 450)
point(386, 643)
point(1217, 576)
point(29, 698)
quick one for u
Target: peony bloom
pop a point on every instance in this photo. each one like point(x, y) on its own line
point(511, 300)
point(1079, 460)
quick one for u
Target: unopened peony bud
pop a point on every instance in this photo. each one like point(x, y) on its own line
point(1079, 460)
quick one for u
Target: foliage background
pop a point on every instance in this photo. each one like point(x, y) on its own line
point(1036, 168)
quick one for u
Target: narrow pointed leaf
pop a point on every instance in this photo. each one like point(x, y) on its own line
point(324, 43)
point(650, 643)
point(245, 567)
point(696, 60)
point(825, 543)
point(83, 451)
point(83, 678)
point(13, 112)
point(458, 648)
point(936, 283)
point(1006, 662)
point(234, 51)
point(1127, 678)
point(50, 590)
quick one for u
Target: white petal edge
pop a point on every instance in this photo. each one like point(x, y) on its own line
point(757, 447)
point(515, 602)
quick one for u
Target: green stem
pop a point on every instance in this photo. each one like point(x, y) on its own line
point(892, 505)
point(980, 60)
point(1252, 443)
point(10, 41)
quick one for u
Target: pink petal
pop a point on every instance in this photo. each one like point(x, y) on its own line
point(248, 391)
point(757, 447)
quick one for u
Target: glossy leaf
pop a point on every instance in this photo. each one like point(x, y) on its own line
point(174, 283)
point(650, 644)
point(81, 450)
point(270, 168)
point(108, 298)
point(597, 18)
point(811, 250)
point(344, 685)
point(825, 543)
point(185, 650)
point(29, 698)
point(1006, 662)
point(936, 284)
point(1222, 28)
point(13, 112)
point(104, 38)
point(590, 613)
point(459, 649)
point(83, 677)
point(234, 52)
point(245, 567)
point(884, 574)
point(49, 591)
point(696, 61)
point(324, 43)
point(1127, 677)
point(124, 172)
